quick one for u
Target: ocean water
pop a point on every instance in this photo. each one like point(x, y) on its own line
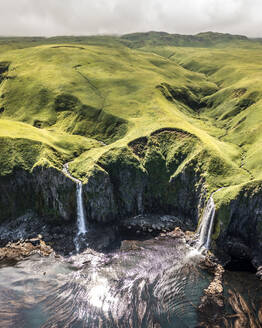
point(152, 283)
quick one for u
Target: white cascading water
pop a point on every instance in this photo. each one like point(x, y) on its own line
point(81, 219)
point(205, 228)
point(81, 222)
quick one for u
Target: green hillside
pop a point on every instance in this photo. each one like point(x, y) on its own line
point(207, 39)
point(89, 100)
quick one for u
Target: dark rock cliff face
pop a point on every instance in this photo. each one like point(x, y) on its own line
point(145, 178)
point(151, 176)
point(241, 238)
point(46, 191)
point(99, 200)
point(118, 191)
point(124, 185)
point(121, 191)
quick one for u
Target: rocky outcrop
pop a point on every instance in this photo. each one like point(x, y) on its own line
point(212, 308)
point(150, 223)
point(21, 249)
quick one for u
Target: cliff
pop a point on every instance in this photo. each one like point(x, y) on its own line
point(149, 131)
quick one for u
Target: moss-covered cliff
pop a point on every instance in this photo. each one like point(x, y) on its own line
point(148, 130)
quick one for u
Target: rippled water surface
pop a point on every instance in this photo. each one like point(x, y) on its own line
point(154, 283)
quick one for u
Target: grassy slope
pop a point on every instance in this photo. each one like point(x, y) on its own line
point(206, 39)
point(236, 108)
point(65, 98)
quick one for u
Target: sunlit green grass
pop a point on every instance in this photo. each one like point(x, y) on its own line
point(75, 102)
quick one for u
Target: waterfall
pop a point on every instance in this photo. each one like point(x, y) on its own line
point(205, 228)
point(81, 222)
point(81, 219)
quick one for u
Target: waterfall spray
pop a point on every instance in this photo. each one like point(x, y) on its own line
point(81, 222)
point(81, 219)
point(205, 228)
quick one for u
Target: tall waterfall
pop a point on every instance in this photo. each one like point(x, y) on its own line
point(81, 219)
point(205, 228)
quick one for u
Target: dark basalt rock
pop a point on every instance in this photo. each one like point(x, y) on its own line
point(241, 238)
point(134, 192)
point(46, 191)
point(152, 223)
point(238, 250)
point(120, 186)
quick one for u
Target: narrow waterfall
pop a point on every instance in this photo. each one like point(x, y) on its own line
point(81, 219)
point(205, 229)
